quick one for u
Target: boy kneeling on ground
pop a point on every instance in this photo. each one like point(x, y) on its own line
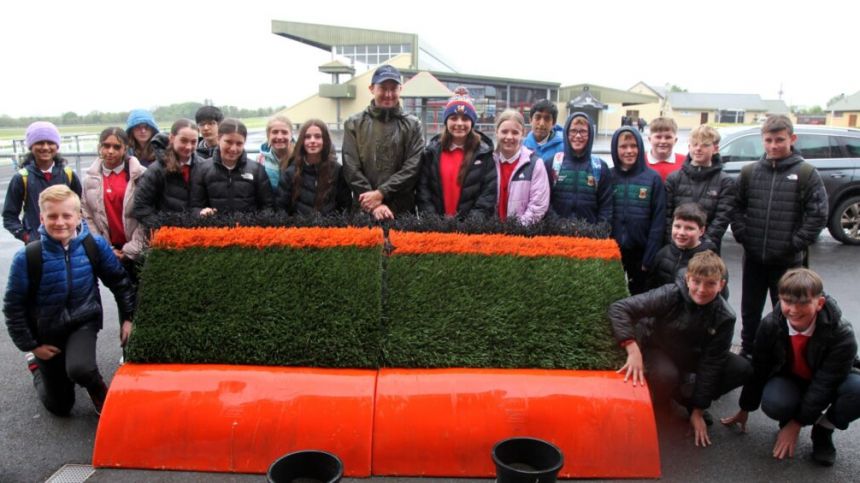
point(804, 361)
point(53, 307)
point(686, 355)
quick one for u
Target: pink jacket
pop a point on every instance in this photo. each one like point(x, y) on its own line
point(528, 195)
point(93, 206)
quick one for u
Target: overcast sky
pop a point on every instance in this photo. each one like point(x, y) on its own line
point(114, 55)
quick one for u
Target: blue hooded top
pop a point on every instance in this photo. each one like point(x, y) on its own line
point(639, 203)
point(140, 116)
point(577, 190)
point(546, 151)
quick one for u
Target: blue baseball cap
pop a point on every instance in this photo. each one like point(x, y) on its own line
point(386, 72)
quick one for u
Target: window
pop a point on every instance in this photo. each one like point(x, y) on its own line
point(746, 148)
point(813, 146)
point(852, 146)
point(731, 117)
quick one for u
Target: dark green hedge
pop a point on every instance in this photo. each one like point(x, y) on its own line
point(551, 225)
point(478, 311)
point(276, 306)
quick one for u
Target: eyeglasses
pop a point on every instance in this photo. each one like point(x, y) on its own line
point(578, 133)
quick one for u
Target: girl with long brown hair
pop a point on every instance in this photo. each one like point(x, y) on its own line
point(314, 182)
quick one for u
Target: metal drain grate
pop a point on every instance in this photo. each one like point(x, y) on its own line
point(72, 474)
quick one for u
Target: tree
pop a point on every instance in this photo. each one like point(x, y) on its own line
point(674, 88)
point(835, 99)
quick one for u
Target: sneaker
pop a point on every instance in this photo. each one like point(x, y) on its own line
point(98, 395)
point(32, 365)
point(823, 451)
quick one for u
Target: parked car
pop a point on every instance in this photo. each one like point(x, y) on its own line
point(834, 151)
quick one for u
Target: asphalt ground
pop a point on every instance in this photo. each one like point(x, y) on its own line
point(34, 444)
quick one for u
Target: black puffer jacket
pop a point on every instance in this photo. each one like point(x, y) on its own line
point(670, 260)
point(382, 151)
point(831, 352)
point(244, 188)
point(713, 190)
point(478, 192)
point(696, 337)
point(159, 190)
point(338, 198)
point(775, 222)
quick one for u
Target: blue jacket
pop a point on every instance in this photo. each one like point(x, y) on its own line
point(27, 229)
point(68, 295)
point(576, 191)
point(555, 144)
point(639, 203)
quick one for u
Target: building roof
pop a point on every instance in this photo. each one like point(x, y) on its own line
point(606, 95)
point(327, 36)
point(468, 78)
point(847, 103)
point(776, 106)
point(424, 84)
point(696, 101)
point(655, 88)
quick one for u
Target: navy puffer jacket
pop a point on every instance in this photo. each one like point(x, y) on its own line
point(577, 191)
point(68, 295)
point(639, 211)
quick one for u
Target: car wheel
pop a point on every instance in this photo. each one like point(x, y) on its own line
point(844, 223)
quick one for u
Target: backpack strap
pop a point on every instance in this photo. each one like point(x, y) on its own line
point(804, 175)
point(92, 253)
point(24, 174)
point(744, 179)
point(33, 250)
point(70, 174)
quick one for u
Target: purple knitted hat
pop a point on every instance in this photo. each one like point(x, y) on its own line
point(42, 131)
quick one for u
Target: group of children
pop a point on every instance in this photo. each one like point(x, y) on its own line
point(677, 334)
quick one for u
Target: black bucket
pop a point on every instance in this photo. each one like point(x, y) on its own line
point(526, 460)
point(309, 466)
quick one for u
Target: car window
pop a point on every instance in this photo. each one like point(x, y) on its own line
point(812, 146)
point(745, 148)
point(852, 145)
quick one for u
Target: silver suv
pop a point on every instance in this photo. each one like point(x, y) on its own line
point(834, 151)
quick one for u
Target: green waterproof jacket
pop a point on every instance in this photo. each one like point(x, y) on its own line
point(382, 151)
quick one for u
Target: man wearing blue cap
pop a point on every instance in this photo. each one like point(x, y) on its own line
point(382, 148)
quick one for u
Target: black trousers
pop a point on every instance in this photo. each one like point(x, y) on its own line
point(637, 279)
point(76, 364)
point(758, 280)
point(783, 396)
point(668, 381)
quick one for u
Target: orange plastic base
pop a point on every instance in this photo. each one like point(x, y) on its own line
point(234, 418)
point(445, 422)
point(415, 422)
